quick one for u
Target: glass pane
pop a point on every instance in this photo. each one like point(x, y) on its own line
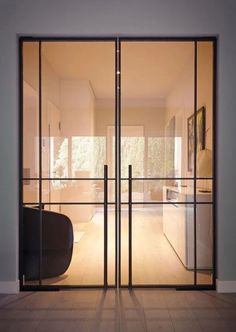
point(111, 243)
point(78, 116)
point(124, 240)
point(205, 109)
point(111, 191)
point(204, 243)
point(132, 151)
point(157, 98)
point(162, 191)
point(88, 153)
point(76, 255)
point(76, 191)
point(78, 82)
point(31, 245)
point(204, 191)
point(162, 244)
point(124, 191)
point(30, 110)
point(58, 158)
point(68, 191)
point(30, 191)
point(204, 158)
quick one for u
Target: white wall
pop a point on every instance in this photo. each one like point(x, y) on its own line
point(77, 105)
point(113, 17)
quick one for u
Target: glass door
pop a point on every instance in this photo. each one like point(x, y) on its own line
point(166, 163)
point(117, 172)
point(68, 206)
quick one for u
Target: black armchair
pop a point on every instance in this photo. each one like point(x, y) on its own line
point(56, 243)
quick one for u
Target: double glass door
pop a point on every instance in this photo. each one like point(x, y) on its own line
point(117, 171)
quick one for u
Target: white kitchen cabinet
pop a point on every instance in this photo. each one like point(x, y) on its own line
point(178, 226)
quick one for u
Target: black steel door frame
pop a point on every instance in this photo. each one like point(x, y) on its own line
point(118, 112)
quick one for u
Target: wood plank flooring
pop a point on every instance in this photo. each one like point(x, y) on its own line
point(154, 260)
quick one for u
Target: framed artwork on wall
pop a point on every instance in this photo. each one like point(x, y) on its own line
point(201, 125)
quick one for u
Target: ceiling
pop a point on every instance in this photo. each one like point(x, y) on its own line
point(149, 70)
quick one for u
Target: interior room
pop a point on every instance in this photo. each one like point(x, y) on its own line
point(171, 167)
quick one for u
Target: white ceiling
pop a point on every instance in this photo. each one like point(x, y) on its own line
point(149, 70)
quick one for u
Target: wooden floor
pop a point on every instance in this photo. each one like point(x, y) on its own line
point(154, 260)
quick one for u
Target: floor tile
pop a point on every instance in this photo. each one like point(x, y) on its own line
point(205, 313)
point(156, 326)
point(187, 326)
point(181, 314)
point(157, 314)
point(136, 310)
point(227, 313)
point(213, 325)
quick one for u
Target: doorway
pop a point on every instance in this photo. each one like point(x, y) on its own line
point(117, 166)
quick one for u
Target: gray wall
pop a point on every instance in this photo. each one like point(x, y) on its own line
point(104, 17)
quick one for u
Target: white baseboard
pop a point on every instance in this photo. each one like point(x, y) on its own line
point(9, 287)
point(226, 286)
